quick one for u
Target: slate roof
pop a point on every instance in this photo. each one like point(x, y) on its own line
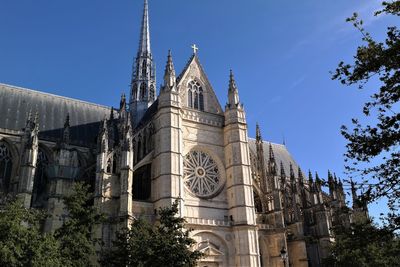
point(281, 155)
point(85, 117)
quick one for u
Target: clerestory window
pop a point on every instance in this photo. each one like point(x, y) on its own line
point(195, 96)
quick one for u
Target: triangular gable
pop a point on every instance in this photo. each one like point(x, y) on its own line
point(194, 71)
point(211, 251)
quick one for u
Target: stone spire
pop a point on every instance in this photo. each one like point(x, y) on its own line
point(144, 44)
point(169, 75)
point(233, 93)
point(143, 83)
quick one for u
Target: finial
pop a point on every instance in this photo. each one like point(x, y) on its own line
point(195, 49)
point(300, 174)
point(112, 113)
point(258, 133)
point(66, 124)
point(291, 171)
point(310, 178)
point(66, 131)
point(122, 103)
point(233, 94)
point(232, 83)
point(283, 174)
point(271, 152)
point(169, 75)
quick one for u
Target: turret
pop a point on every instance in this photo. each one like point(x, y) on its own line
point(239, 183)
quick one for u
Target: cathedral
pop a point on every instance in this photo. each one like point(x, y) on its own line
point(246, 199)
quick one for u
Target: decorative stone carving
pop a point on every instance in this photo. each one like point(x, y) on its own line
point(201, 174)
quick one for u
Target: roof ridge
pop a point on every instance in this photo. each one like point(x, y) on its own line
point(50, 94)
point(267, 142)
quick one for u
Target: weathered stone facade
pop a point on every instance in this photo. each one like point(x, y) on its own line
point(246, 199)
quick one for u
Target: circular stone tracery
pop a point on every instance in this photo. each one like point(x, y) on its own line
point(201, 175)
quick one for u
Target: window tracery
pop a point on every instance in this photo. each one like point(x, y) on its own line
point(201, 174)
point(195, 96)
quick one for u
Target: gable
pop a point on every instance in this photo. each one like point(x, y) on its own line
point(193, 72)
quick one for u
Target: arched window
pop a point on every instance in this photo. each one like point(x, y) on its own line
point(135, 91)
point(201, 99)
point(151, 92)
point(190, 98)
point(195, 96)
point(41, 180)
point(142, 183)
point(143, 91)
point(5, 167)
point(144, 67)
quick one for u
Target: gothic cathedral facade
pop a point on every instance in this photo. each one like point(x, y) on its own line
point(246, 199)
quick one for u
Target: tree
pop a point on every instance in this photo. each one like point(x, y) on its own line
point(166, 243)
point(363, 245)
point(373, 148)
point(77, 245)
point(21, 242)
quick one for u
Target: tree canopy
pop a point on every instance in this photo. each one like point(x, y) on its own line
point(21, 241)
point(373, 143)
point(363, 244)
point(77, 245)
point(165, 243)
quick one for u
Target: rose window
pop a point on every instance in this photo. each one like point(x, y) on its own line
point(201, 175)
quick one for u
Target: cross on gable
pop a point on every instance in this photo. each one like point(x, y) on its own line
point(195, 48)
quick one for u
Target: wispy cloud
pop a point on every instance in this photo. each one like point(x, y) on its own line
point(297, 82)
point(337, 27)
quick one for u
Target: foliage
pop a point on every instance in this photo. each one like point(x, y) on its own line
point(21, 242)
point(77, 244)
point(363, 245)
point(163, 244)
point(373, 148)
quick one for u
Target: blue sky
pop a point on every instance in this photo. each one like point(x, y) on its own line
point(280, 51)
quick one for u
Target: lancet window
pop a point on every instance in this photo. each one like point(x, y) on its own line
point(6, 162)
point(143, 91)
point(195, 96)
point(41, 180)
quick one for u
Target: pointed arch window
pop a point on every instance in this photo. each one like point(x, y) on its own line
point(195, 96)
point(41, 180)
point(143, 91)
point(144, 68)
point(135, 91)
point(6, 163)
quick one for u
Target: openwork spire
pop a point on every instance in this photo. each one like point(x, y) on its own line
point(143, 83)
point(144, 45)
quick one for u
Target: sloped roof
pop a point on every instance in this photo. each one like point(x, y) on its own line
point(281, 154)
point(16, 102)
